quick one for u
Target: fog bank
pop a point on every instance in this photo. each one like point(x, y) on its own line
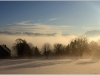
point(9, 40)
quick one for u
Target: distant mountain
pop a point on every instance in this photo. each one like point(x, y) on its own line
point(30, 34)
point(93, 33)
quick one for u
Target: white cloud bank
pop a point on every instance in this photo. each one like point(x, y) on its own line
point(25, 26)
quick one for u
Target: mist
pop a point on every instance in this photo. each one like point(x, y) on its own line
point(9, 40)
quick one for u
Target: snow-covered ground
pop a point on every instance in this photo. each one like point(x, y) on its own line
point(49, 66)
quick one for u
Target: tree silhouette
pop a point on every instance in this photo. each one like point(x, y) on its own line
point(83, 45)
point(58, 49)
point(36, 51)
point(74, 48)
point(63, 51)
point(32, 48)
point(94, 47)
point(22, 48)
point(78, 46)
point(68, 51)
point(46, 49)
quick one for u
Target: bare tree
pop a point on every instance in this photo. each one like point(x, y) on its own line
point(93, 45)
point(58, 49)
point(68, 51)
point(78, 46)
point(63, 52)
point(82, 45)
point(22, 48)
point(94, 48)
point(46, 49)
point(74, 48)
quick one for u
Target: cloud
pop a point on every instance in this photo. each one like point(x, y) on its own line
point(25, 26)
point(52, 19)
point(22, 23)
point(90, 28)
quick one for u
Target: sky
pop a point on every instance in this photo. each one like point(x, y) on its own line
point(66, 17)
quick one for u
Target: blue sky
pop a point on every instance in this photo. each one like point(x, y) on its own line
point(70, 17)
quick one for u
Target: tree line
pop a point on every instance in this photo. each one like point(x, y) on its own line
point(76, 48)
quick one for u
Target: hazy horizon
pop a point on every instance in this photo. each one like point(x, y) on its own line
point(9, 40)
point(48, 17)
